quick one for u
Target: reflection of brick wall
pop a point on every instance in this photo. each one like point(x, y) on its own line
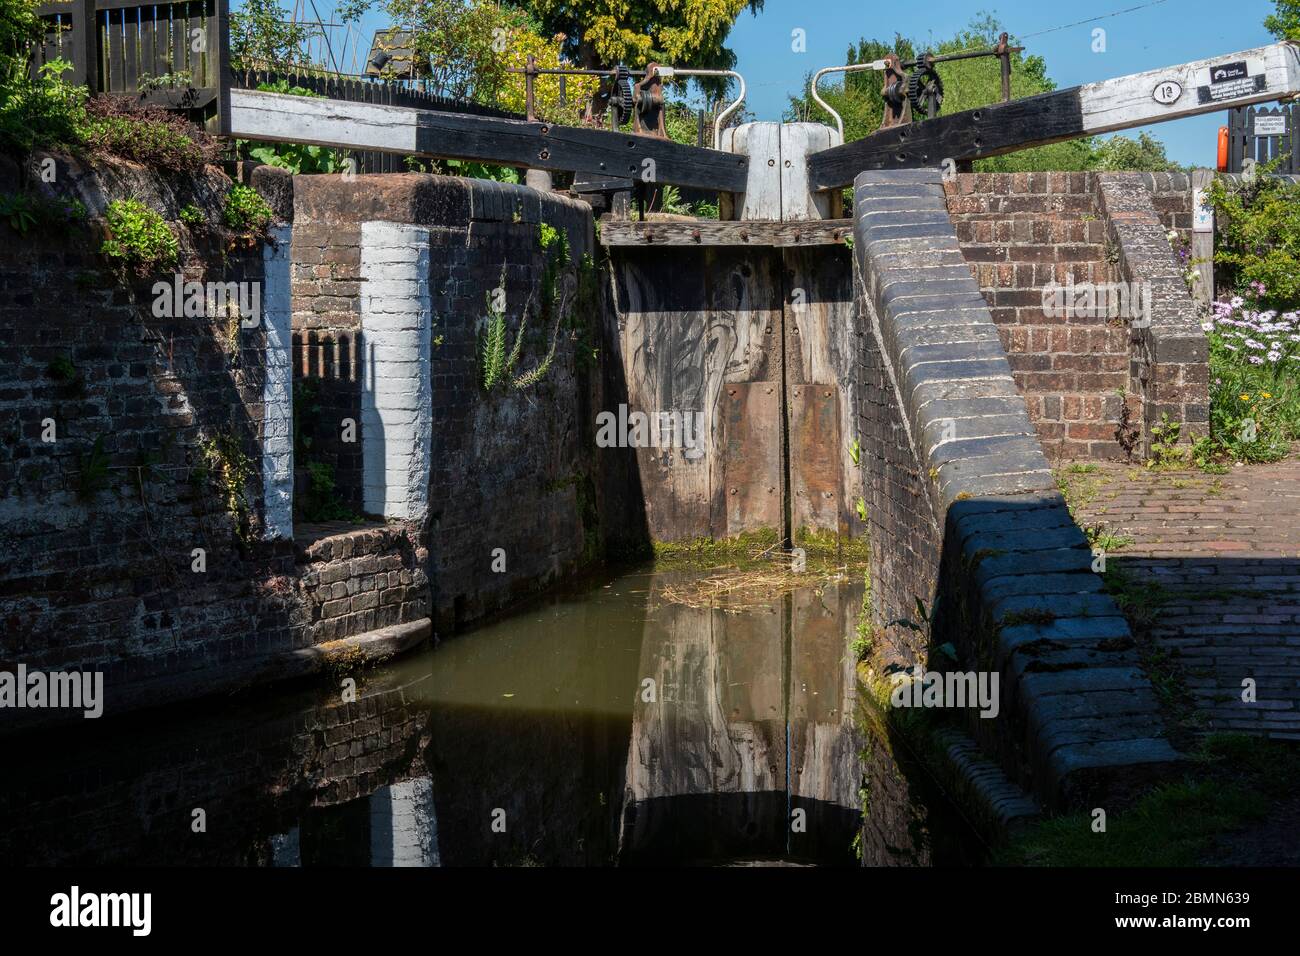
point(259, 769)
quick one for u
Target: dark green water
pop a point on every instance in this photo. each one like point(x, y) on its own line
point(606, 727)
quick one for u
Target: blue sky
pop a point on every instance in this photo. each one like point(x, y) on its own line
point(1163, 34)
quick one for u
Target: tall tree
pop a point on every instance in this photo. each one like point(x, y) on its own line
point(675, 32)
point(1284, 23)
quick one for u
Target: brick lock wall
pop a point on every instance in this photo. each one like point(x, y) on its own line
point(965, 518)
point(97, 551)
point(513, 470)
point(96, 567)
point(1021, 232)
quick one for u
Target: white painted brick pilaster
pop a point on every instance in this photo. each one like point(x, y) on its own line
point(396, 396)
point(277, 390)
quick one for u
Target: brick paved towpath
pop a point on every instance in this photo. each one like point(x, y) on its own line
point(1212, 563)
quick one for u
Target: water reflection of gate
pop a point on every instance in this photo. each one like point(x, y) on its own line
point(752, 721)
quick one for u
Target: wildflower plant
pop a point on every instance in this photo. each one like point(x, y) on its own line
point(1254, 377)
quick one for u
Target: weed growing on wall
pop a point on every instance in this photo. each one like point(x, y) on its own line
point(92, 471)
point(139, 241)
point(225, 462)
point(27, 211)
point(246, 211)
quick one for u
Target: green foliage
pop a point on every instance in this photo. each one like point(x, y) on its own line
point(18, 210)
point(1258, 240)
point(676, 32)
point(246, 210)
point(263, 35)
point(298, 158)
point(45, 111)
point(495, 363)
point(192, 216)
point(1232, 781)
point(139, 240)
point(321, 502)
point(1284, 22)
point(61, 370)
point(1124, 154)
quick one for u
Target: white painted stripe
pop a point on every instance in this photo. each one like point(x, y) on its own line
point(1129, 101)
point(322, 121)
point(277, 389)
point(397, 392)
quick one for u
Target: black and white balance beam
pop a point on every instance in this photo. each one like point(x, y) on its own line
point(1253, 76)
point(370, 126)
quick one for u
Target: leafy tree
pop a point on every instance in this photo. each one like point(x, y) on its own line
point(261, 35)
point(1284, 22)
point(464, 49)
point(599, 33)
point(1144, 154)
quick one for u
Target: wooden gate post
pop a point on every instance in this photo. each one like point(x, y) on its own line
point(1202, 238)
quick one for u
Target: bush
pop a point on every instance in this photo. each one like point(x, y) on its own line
point(41, 112)
point(140, 241)
point(1258, 242)
point(149, 135)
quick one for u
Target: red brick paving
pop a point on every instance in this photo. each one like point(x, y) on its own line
point(1226, 552)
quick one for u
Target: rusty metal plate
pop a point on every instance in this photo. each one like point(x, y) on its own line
point(749, 494)
point(816, 498)
point(817, 642)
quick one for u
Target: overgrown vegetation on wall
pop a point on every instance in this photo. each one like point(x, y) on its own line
point(564, 304)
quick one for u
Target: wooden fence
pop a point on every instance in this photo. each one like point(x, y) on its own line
point(171, 54)
point(1263, 134)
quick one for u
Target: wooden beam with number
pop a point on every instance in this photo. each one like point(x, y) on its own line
point(371, 126)
point(1204, 86)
